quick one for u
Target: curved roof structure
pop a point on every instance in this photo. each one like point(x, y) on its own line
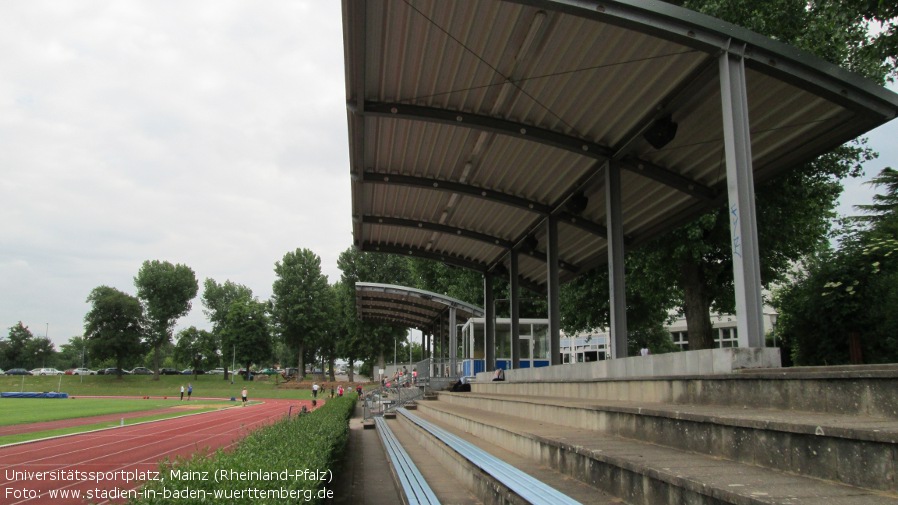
point(408, 307)
point(473, 121)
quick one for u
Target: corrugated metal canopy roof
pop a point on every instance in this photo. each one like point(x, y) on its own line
point(409, 307)
point(471, 121)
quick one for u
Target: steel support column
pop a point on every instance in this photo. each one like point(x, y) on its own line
point(553, 285)
point(741, 193)
point(453, 344)
point(441, 348)
point(617, 291)
point(515, 302)
point(489, 339)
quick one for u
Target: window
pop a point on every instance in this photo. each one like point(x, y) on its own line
point(681, 340)
point(727, 337)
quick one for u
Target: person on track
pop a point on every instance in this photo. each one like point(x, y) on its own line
point(182, 392)
point(243, 394)
point(189, 390)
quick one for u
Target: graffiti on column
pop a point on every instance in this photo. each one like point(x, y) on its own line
point(734, 226)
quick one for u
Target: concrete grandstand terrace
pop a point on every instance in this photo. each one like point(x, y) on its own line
point(136, 448)
point(802, 435)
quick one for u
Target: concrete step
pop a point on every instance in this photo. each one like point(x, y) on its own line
point(869, 393)
point(644, 473)
point(829, 369)
point(856, 450)
point(483, 485)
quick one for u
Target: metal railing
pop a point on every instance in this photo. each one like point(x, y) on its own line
point(384, 399)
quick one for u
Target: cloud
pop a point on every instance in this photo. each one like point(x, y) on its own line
point(209, 133)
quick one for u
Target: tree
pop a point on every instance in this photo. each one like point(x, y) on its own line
point(350, 343)
point(73, 353)
point(39, 351)
point(462, 284)
point(794, 210)
point(217, 298)
point(882, 214)
point(246, 331)
point(300, 301)
point(13, 348)
point(167, 291)
point(370, 341)
point(840, 307)
point(198, 348)
point(333, 332)
point(114, 326)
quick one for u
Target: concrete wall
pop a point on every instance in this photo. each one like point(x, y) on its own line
point(703, 362)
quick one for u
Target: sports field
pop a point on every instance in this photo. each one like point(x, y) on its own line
point(111, 464)
point(205, 386)
point(100, 401)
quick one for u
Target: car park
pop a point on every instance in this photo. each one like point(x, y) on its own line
point(141, 371)
point(17, 371)
point(46, 371)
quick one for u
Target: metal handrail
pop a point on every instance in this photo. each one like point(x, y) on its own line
point(377, 402)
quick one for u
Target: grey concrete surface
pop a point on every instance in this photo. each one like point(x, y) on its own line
point(366, 474)
point(645, 473)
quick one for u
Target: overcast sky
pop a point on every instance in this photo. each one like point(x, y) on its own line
point(207, 133)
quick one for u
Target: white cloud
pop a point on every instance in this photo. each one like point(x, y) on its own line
point(209, 133)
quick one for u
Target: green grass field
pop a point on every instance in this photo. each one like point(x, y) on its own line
point(15, 411)
point(206, 386)
point(33, 410)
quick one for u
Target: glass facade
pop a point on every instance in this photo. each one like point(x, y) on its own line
point(533, 345)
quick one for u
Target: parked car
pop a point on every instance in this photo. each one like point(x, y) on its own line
point(81, 371)
point(289, 372)
point(114, 371)
point(216, 371)
point(2, 372)
point(141, 371)
point(242, 372)
point(169, 371)
point(190, 371)
point(268, 371)
point(18, 371)
point(46, 371)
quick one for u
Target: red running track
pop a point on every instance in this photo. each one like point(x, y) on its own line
point(136, 448)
